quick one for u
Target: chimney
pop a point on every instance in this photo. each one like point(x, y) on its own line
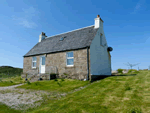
point(42, 36)
point(98, 22)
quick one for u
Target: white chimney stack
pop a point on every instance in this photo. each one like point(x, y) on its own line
point(42, 36)
point(98, 22)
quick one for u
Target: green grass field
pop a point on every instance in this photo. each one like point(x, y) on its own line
point(6, 109)
point(8, 71)
point(11, 81)
point(61, 85)
point(10, 76)
point(115, 94)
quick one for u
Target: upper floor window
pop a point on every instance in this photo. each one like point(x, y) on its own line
point(33, 62)
point(70, 59)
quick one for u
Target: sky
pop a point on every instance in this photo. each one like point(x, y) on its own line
point(126, 27)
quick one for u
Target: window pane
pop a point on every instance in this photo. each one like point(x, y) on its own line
point(70, 61)
point(34, 58)
point(34, 64)
point(69, 54)
point(43, 60)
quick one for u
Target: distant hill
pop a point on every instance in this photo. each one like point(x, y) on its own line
point(9, 70)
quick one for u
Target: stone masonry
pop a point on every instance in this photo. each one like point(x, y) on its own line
point(58, 60)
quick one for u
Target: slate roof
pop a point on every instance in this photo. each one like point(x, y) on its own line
point(76, 39)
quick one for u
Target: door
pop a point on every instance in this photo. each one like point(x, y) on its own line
point(42, 64)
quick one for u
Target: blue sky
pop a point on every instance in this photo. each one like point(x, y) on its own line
point(126, 26)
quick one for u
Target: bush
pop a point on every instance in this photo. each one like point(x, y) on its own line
point(135, 110)
point(56, 79)
point(28, 82)
point(127, 87)
point(133, 71)
point(120, 70)
point(65, 74)
point(62, 79)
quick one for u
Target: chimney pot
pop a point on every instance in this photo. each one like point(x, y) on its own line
point(42, 36)
point(43, 33)
point(98, 22)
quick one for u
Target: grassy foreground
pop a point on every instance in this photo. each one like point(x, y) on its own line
point(115, 94)
point(6, 109)
point(11, 81)
point(58, 85)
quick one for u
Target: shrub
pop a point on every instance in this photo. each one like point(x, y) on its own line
point(65, 74)
point(56, 80)
point(120, 70)
point(59, 83)
point(127, 87)
point(135, 110)
point(133, 71)
point(28, 82)
point(26, 75)
point(36, 84)
point(11, 81)
point(62, 79)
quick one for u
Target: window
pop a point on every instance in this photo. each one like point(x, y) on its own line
point(43, 60)
point(61, 39)
point(70, 59)
point(33, 62)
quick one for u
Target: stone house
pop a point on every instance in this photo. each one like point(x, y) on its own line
point(82, 53)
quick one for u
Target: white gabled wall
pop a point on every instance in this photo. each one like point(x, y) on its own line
point(99, 58)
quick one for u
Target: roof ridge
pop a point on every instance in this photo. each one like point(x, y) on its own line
point(69, 31)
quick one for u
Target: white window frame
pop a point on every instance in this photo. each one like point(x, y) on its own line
point(41, 60)
point(34, 61)
point(69, 58)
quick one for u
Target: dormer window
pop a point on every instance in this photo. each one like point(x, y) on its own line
point(61, 39)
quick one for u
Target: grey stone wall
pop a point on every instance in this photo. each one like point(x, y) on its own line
point(56, 63)
point(27, 66)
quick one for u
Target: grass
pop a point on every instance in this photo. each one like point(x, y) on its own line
point(10, 76)
point(3, 75)
point(115, 94)
point(11, 81)
point(6, 109)
point(126, 93)
point(57, 85)
point(8, 71)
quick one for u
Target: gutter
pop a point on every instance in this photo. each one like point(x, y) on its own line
point(87, 63)
point(54, 52)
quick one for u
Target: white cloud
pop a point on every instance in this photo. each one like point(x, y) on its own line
point(138, 6)
point(28, 17)
point(27, 23)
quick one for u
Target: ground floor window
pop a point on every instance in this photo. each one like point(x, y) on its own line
point(33, 62)
point(69, 58)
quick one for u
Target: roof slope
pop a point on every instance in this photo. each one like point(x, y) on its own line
point(74, 40)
